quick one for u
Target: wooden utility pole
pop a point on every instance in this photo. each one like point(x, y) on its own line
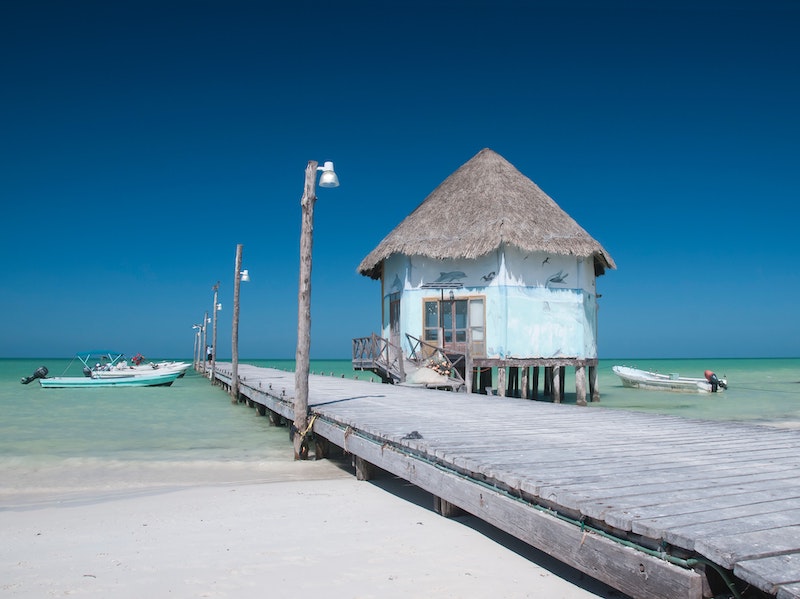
point(304, 314)
point(237, 277)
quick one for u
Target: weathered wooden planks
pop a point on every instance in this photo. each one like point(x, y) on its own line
point(630, 571)
point(727, 492)
point(780, 572)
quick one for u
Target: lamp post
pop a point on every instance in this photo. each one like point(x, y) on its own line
point(197, 348)
point(217, 308)
point(205, 340)
point(238, 276)
point(327, 179)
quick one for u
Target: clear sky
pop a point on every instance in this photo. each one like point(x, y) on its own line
point(140, 141)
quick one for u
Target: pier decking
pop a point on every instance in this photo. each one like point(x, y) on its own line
point(655, 506)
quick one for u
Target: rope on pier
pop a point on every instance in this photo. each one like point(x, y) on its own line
point(308, 428)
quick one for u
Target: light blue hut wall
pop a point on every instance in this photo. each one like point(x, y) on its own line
point(397, 284)
point(536, 305)
point(550, 306)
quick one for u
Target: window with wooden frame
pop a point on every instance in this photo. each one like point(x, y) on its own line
point(451, 323)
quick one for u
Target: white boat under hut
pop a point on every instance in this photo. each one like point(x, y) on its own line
point(487, 274)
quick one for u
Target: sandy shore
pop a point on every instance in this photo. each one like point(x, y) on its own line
point(302, 529)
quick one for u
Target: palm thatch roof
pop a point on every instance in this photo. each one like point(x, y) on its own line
point(484, 204)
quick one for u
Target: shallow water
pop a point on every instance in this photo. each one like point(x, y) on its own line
point(99, 439)
point(760, 391)
point(70, 443)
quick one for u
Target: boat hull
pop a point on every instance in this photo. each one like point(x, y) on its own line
point(78, 382)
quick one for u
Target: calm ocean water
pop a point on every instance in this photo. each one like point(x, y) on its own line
point(193, 423)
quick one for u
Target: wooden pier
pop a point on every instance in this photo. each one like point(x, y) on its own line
point(654, 506)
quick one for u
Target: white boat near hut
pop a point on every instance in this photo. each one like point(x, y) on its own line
point(655, 381)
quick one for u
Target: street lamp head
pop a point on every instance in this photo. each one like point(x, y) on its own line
point(219, 306)
point(328, 177)
point(245, 275)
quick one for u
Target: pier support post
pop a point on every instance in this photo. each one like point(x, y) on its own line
point(524, 383)
point(513, 382)
point(445, 508)
point(580, 385)
point(548, 381)
point(485, 380)
point(556, 384)
point(594, 389)
point(364, 470)
point(321, 447)
point(469, 372)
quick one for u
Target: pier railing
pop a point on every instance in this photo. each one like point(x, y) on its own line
point(451, 364)
point(378, 355)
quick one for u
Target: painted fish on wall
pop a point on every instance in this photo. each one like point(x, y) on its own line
point(559, 277)
point(449, 277)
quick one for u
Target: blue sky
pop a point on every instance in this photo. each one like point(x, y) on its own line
point(141, 141)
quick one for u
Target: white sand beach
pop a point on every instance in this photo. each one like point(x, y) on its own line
point(290, 529)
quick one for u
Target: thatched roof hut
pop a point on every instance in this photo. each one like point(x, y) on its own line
point(484, 204)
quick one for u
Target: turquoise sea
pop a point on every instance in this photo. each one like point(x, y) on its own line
point(194, 424)
point(761, 390)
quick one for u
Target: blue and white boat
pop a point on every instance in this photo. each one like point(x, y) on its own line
point(104, 368)
point(156, 379)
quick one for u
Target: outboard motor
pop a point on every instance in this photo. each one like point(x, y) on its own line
point(87, 371)
point(39, 373)
point(715, 381)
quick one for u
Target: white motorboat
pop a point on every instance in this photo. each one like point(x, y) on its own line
point(120, 367)
point(644, 379)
